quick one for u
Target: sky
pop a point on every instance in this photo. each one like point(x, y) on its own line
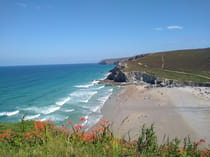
point(85, 31)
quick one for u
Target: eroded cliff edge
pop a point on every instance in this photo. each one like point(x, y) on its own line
point(151, 69)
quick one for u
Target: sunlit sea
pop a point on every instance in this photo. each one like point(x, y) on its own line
point(53, 92)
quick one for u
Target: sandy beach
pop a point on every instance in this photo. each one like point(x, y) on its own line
point(175, 112)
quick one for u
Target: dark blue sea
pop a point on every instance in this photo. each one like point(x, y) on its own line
point(53, 92)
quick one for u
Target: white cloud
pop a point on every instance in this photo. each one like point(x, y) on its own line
point(174, 27)
point(158, 29)
point(24, 5)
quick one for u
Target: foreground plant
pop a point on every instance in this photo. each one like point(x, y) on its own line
point(36, 138)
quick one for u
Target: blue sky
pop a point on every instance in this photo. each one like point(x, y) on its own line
point(86, 31)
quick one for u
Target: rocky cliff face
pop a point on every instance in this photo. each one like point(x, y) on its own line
point(119, 76)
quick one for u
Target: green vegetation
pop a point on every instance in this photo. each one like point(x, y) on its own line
point(36, 138)
point(182, 65)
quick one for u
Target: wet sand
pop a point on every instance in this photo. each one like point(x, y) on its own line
point(175, 112)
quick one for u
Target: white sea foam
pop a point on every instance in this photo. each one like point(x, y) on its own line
point(85, 122)
point(69, 110)
point(93, 119)
point(51, 109)
point(9, 113)
point(83, 95)
point(43, 110)
point(100, 87)
point(97, 108)
point(87, 85)
point(54, 118)
point(106, 75)
point(32, 117)
point(89, 96)
point(84, 86)
point(63, 102)
point(102, 100)
point(43, 119)
point(95, 82)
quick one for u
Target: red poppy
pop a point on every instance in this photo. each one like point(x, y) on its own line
point(196, 143)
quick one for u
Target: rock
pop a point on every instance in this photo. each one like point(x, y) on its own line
point(137, 77)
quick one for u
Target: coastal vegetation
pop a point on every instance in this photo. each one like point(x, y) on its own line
point(181, 65)
point(36, 138)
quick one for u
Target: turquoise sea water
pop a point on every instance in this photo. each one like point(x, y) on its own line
point(56, 92)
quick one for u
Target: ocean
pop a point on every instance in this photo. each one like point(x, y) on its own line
point(53, 92)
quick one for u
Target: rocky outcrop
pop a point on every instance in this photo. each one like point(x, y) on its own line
point(119, 76)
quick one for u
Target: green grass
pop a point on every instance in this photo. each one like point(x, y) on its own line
point(182, 65)
point(44, 139)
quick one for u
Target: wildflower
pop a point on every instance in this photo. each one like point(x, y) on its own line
point(84, 119)
point(202, 140)
point(69, 122)
point(76, 126)
point(47, 121)
point(196, 143)
point(81, 118)
point(101, 121)
point(101, 129)
point(80, 126)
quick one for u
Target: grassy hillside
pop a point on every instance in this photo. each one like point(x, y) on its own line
point(44, 139)
point(183, 65)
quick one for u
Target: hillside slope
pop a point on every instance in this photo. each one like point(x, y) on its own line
point(180, 65)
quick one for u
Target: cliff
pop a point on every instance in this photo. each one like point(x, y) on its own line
point(174, 68)
point(113, 61)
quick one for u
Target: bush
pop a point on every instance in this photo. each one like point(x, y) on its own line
point(36, 138)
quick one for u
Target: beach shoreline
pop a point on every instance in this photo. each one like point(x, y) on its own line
point(175, 112)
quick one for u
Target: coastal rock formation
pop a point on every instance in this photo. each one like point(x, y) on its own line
point(171, 68)
point(119, 76)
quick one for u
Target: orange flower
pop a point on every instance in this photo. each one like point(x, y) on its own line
point(101, 129)
point(101, 121)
